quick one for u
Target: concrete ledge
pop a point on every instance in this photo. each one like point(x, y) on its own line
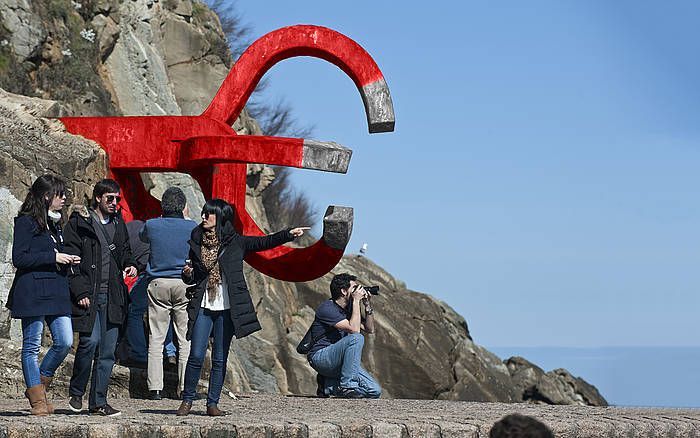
point(265, 415)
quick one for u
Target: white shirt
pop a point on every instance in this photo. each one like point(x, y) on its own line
point(220, 303)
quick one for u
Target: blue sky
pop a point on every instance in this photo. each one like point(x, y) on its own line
point(543, 178)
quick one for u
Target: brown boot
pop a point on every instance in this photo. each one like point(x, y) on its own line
point(37, 399)
point(46, 381)
point(214, 411)
point(184, 409)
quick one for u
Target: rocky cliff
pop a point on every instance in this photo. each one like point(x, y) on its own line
point(150, 57)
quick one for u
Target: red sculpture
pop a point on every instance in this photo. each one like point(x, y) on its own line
point(208, 148)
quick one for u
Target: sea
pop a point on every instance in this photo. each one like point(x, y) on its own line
point(625, 376)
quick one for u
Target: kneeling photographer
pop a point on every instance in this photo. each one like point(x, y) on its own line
point(336, 342)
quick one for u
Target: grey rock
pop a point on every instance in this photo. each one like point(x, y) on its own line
point(31, 145)
point(108, 32)
point(195, 83)
point(24, 25)
point(182, 42)
point(9, 206)
point(556, 387)
point(183, 8)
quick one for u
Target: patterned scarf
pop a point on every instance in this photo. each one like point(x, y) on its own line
point(210, 252)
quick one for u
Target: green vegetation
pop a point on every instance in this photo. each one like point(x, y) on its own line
point(4, 61)
point(60, 9)
point(219, 47)
point(199, 10)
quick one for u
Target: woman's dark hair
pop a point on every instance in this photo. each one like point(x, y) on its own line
point(339, 282)
point(103, 186)
point(40, 196)
point(223, 212)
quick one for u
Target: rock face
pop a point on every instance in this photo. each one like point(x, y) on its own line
point(150, 57)
point(31, 145)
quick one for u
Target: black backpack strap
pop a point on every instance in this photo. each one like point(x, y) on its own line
point(112, 247)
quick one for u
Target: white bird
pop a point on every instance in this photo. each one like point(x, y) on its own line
point(363, 250)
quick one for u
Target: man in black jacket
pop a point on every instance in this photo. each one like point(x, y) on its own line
point(98, 293)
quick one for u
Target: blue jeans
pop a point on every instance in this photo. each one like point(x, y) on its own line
point(95, 351)
point(62, 336)
point(169, 348)
point(134, 320)
point(135, 332)
point(218, 324)
point(339, 363)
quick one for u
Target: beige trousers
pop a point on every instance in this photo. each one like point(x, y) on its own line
point(166, 298)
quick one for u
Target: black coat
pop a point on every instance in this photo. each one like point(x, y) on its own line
point(40, 286)
point(80, 239)
point(231, 252)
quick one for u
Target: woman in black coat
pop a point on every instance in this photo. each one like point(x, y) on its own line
point(40, 289)
point(220, 305)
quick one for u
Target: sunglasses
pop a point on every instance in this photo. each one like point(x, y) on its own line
point(111, 198)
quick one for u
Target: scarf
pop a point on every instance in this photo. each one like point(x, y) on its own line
point(210, 253)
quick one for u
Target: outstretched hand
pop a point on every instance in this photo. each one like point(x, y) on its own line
point(299, 231)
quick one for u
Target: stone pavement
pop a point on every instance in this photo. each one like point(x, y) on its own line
point(266, 415)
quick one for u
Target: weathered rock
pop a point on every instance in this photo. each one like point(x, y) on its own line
point(481, 376)
point(31, 145)
point(26, 30)
point(182, 43)
point(108, 32)
point(195, 83)
point(578, 389)
point(556, 387)
point(135, 68)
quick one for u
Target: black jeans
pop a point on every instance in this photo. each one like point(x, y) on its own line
point(95, 351)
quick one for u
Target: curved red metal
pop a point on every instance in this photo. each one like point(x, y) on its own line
point(209, 150)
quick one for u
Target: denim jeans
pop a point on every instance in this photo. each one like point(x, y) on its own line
point(218, 324)
point(134, 320)
point(340, 364)
point(95, 351)
point(135, 330)
point(62, 336)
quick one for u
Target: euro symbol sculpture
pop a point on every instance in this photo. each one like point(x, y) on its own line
point(207, 148)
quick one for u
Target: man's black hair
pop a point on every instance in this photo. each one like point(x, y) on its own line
point(173, 202)
point(103, 186)
point(519, 426)
point(339, 282)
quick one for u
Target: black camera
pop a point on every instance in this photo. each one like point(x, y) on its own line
point(374, 290)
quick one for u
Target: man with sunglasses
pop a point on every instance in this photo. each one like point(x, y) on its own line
point(98, 293)
point(337, 352)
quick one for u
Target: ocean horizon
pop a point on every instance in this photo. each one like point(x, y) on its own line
point(625, 376)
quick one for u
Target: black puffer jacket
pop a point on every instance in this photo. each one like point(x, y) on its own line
point(231, 252)
point(80, 239)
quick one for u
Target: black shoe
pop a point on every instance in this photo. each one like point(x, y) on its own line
point(348, 393)
point(320, 386)
point(106, 411)
point(155, 395)
point(75, 403)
